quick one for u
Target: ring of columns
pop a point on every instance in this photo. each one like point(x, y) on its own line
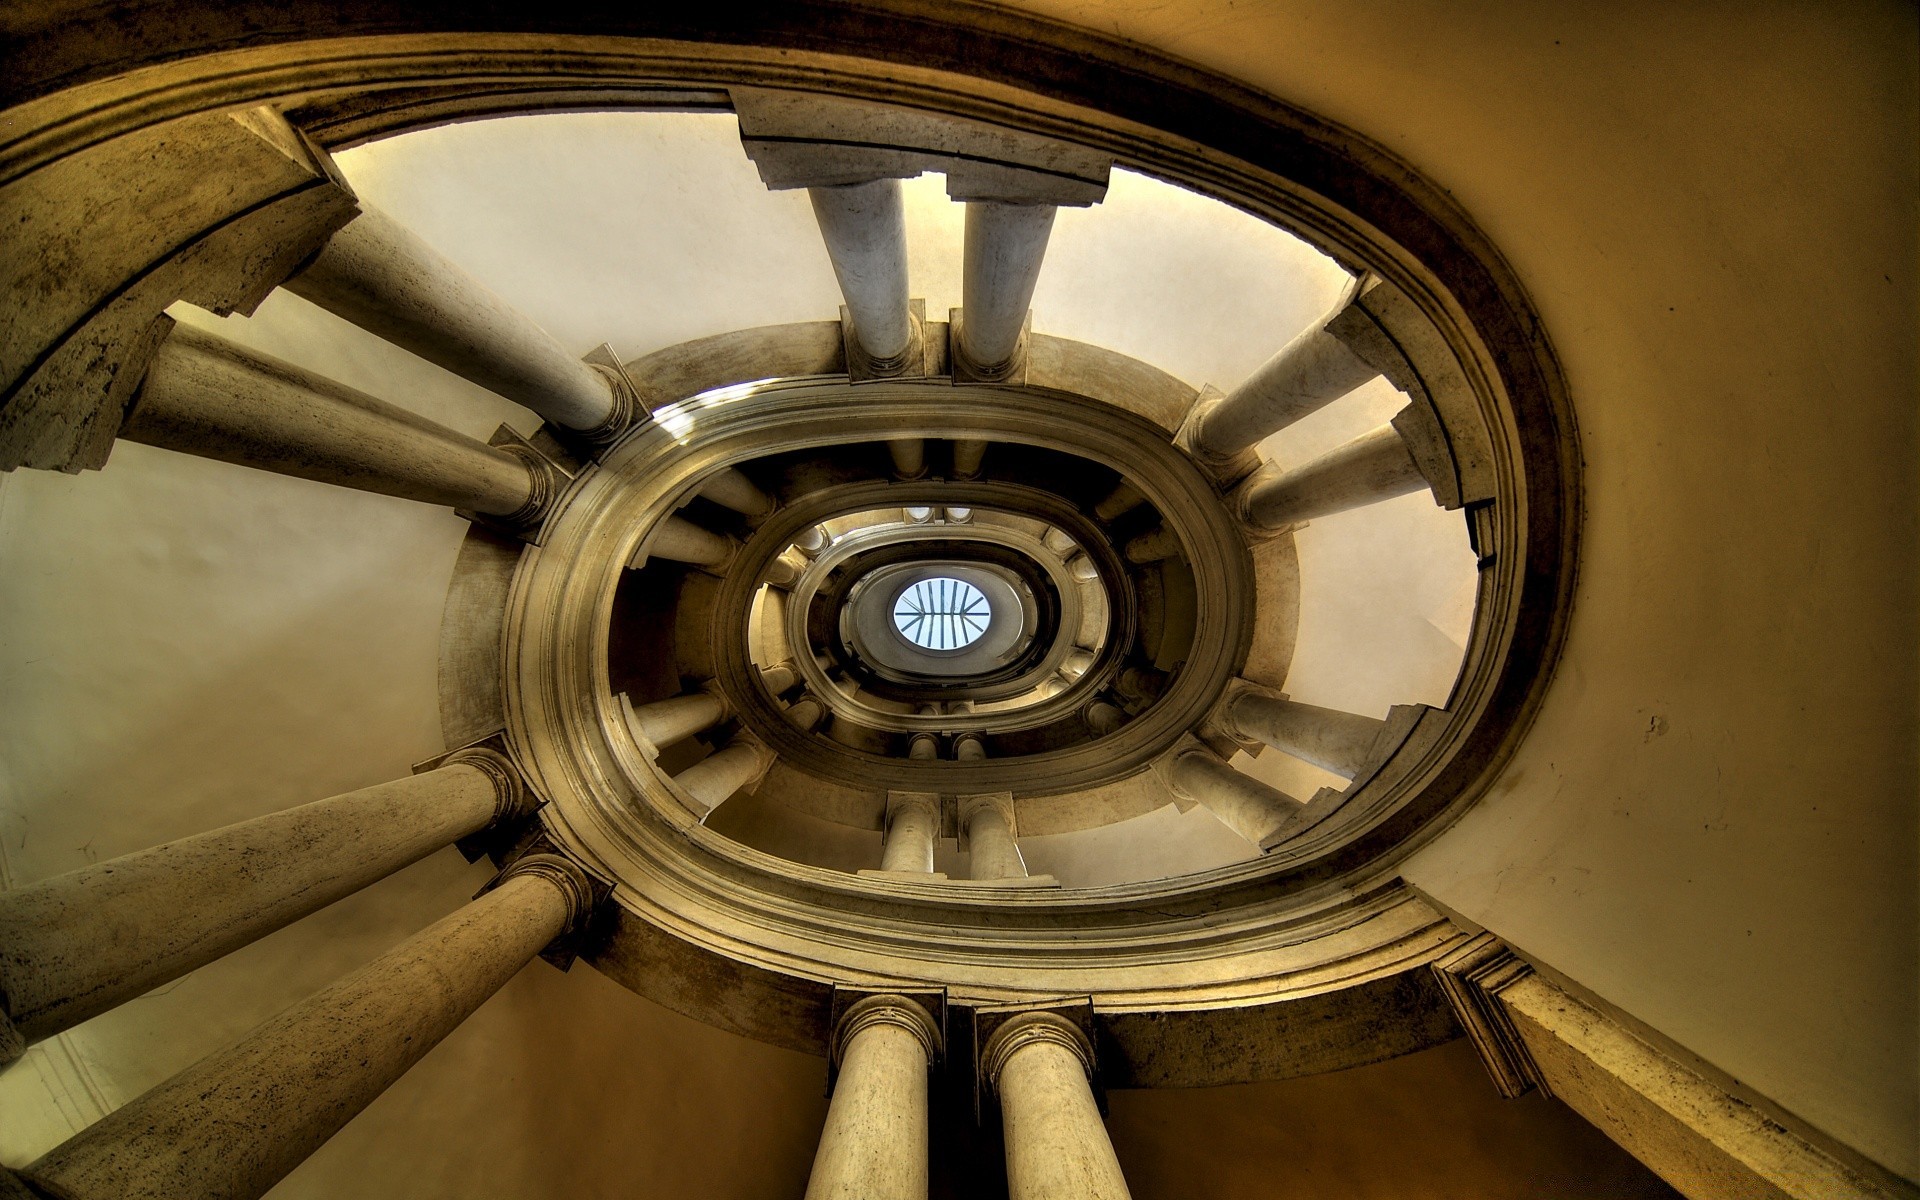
point(1315, 934)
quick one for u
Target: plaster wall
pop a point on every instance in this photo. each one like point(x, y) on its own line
point(1714, 207)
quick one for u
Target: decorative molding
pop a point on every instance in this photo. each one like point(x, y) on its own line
point(548, 480)
point(912, 363)
point(586, 893)
point(920, 1011)
point(514, 804)
point(1001, 1031)
point(1011, 373)
point(1473, 976)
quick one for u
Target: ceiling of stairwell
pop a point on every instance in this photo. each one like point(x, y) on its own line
point(194, 643)
point(647, 230)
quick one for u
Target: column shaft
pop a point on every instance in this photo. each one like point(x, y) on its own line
point(1057, 1147)
point(714, 779)
point(1104, 718)
point(913, 822)
point(968, 454)
point(992, 850)
point(1005, 245)
point(780, 677)
point(732, 489)
point(204, 395)
point(806, 713)
point(1328, 738)
point(680, 540)
point(232, 1125)
point(665, 722)
point(1372, 467)
point(865, 228)
point(909, 457)
point(81, 943)
point(1309, 373)
point(874, 1145)
point(377, 274)
point(1244, 804)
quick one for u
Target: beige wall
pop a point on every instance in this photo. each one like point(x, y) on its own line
point(1713, 206)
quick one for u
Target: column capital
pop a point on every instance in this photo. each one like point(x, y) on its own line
point(1030, 1028)
point(967, 806)
point(884, 1008)
point(627, 409)
point(514, 803)
point(584, 893)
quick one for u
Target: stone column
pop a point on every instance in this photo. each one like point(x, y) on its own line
point(377, 274)
point(806, 713)
point(1104, 718)
point(1082, 568)
point(1152, 546)
point(207, 396)
point(913, 823)
point(1309, 373)
point(780, 677)
point(1123, 499)
point(1005, 245)
point(1372, 467)
point(781, 573)
point(865, 228)
point(1328, 738)
point(714, 779)
point(664, 722)
point(968, 454)
point(811, 543)
point(874, 1146)
point(969, 747)
point(677, 539)
point(923, 747)
point(232, 1125)
point(909, 457)
point(81, 943)
point(1057, 1147)
point(1244, 804)
point(732, 489)
point(993, 851)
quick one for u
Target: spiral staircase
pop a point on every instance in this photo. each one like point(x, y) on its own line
point(775, 661)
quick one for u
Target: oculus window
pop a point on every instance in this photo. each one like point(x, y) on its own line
point(942, 614)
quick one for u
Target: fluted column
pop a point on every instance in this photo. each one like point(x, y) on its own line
point(913, 824)
point(207, 396)
point(377, 274)
point(78, 944)
point(1057, 1146)
point(1309, 373)
point(714, 779)
point(874, 1145)
point(993, 851)
point(1328, 738)
point(1005, 245)
point(1373, 467)
point(232, 1125)
point(664, 722)
point(865, 228)
point(1245, 805)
